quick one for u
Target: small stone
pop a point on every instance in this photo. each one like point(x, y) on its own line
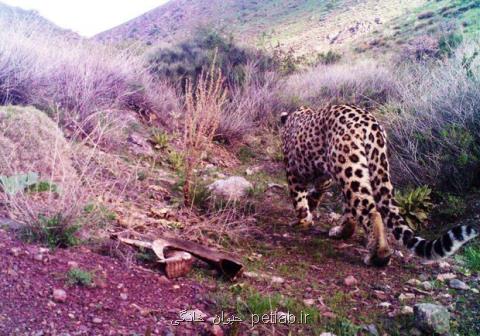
point(350, 281)
point(97, 320)
point(406, 310)
point(72, 264)
point(277, 280)
point(251, 275)
point(309, 302)
point(38, 257)
point(232, 188)
point(15, 251)
point(444, 265)
point(427, 285)
point(176, 287)
point(71, 316)
point(123, 296)
point(414, 282)
point(59, 295)
point(370, 329)
point(385, 304)
point(431, 318)
point(474, 290)
point(327, 334)
point(380, 294)
point(407, 296)
point(329, 314)
point(215, 330)
point(458, 284)
point(446, 276)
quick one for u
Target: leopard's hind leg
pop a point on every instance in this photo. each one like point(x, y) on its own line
point(360, 207)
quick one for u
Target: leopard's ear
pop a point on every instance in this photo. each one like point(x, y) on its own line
point(284, 117)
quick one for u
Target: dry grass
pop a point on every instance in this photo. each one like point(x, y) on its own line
point(74, 76)
point(253, 104)
point(203, 108)
point(367, 84)
point(434, 125)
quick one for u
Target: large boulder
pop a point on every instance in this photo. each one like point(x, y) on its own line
point(231, 189)
point(431, 318)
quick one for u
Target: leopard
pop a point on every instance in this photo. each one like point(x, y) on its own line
point(346, 145)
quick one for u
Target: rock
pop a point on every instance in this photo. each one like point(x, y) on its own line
point(474, 290)
point(38, 257)
point(427, 285)
point(458, 284)
point(446, 276)
point(123, 296)
point(140, 145)
point(277, 280)
point(59, 295)
point(251, 171)
point(444, 265)
point(72, 264)
point(370, 329)
point(231, 188)
point(406, 310)
point(309, 302)
point(97, 320)
point(15, 251)
point(414, 282)
point(431, 318)
point(327, 334)
point(215, 330)
point(380, 294)
point(350, 281)
point(385, 304)
point(407, 296)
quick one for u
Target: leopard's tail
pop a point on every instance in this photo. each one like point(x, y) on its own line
point(441, 247)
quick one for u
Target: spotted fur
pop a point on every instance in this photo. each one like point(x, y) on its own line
point(346, 144)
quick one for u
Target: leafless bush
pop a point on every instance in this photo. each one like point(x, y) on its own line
point(203, 107)
point(75, 76)
point(434, 125)
point(421, 48)
point(251, 105)
point(366, 84)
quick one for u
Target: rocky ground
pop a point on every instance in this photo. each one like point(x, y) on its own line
point(105, 288)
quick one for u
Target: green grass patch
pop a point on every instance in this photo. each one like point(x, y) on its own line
point(78, 276)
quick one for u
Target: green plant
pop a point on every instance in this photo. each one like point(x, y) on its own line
point(14, 184)
point(448, 43)
point(43, 186)
point(53, 231)
point(453, 207)
point(415, 206)
point(472, 257)
point(160, 138)
point(329, 57)
point(78, 276)
point(245, 154)
point(175, 159)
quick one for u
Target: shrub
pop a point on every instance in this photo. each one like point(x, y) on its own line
point(203, 107)
point(188, 59)
point(415, 206)
point(366, 84)
point(78, 276)
point(74, 78)
point(434, 131)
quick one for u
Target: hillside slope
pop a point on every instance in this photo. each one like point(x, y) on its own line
point(305, 25)
point(16, 16)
